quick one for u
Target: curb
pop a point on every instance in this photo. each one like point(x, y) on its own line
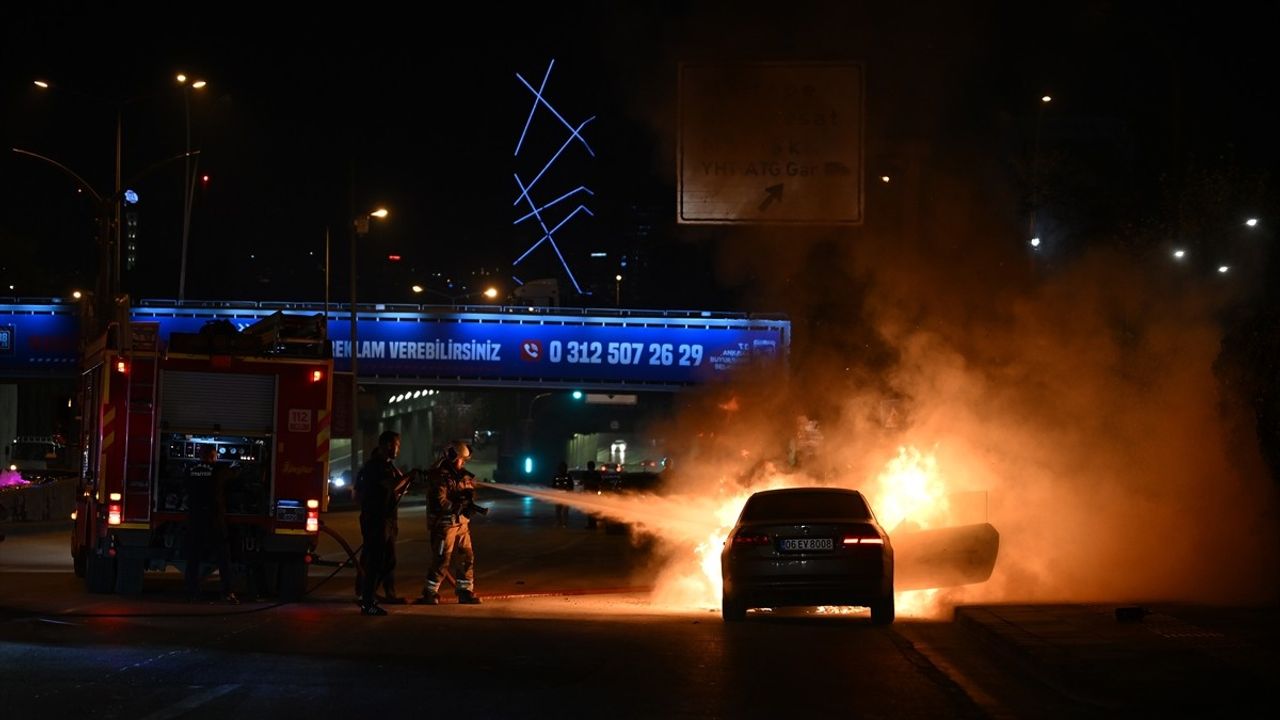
point(1038, 658)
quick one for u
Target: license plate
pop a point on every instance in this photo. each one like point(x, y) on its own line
point(801, 544)
point(290, 514)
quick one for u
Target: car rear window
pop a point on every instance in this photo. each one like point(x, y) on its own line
point(805, 506)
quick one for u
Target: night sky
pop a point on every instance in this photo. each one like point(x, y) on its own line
point(1160, 131)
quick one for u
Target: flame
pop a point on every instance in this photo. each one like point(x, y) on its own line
point(910, 490)
point(907, 493)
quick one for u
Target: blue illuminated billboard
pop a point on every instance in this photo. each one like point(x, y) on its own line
point(655, 350)
point(38, 340)
point(520, 349)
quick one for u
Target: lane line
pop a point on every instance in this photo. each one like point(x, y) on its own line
point(191, 702)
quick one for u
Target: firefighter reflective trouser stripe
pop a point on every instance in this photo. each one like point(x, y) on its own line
point(445, 539)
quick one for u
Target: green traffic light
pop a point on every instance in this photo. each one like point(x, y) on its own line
point(577, 394)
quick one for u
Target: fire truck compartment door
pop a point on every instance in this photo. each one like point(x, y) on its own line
point(205, 400)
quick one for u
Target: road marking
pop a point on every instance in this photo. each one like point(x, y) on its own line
point(191, 702)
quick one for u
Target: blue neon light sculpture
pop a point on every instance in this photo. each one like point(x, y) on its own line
point(538, 212)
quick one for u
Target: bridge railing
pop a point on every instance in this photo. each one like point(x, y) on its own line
point(438, 308)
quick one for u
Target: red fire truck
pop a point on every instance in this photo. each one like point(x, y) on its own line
point(261, 396)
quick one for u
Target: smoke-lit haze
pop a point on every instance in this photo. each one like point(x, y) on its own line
point(1076, 389)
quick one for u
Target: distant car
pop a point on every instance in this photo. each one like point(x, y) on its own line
point(341, 491)
point(801, 547)
point(38, 459)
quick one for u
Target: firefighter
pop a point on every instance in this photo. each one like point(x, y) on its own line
point(387, 573)
point(207, 522)
point(450, 504)
point(380, 486)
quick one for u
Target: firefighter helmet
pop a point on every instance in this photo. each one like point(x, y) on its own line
point(457, 450)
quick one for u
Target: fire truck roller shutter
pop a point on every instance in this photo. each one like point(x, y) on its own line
point(202, 400)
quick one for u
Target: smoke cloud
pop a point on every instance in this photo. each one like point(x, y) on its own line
point(1081, 387)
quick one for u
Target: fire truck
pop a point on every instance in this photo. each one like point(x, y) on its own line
point(150, 407)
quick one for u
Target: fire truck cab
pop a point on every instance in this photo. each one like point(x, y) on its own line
point(259, 396)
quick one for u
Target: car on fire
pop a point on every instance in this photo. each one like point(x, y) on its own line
point(803, 547)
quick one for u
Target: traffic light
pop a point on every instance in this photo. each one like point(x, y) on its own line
point(577, 394)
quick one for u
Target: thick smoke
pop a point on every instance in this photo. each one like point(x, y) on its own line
point(1081, 391)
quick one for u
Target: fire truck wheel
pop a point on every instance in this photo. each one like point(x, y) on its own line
point(129, 576)
point(100, 573)
point(293, 580)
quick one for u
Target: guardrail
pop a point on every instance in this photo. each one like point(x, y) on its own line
point(53, 500)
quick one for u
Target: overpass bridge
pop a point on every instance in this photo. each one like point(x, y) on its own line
point(603, 349)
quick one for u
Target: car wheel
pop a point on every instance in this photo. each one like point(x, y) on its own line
point(732, 609)
point(882, 611)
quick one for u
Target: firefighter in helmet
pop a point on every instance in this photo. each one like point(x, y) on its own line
point(450, 505)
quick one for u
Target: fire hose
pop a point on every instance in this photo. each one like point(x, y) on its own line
point(352, 561)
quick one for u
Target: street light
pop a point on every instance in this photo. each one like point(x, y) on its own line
point(1251, 222)
point(359, 228)
point(188, 184)
point(617, 290)
point(107, 206)
point(489, 292)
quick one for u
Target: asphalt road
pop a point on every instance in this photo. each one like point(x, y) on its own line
point(568, 629)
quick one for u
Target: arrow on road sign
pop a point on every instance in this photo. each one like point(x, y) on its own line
point(774, 193)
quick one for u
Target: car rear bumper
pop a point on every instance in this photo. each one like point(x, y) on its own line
point(795, 583)
point(802, 592)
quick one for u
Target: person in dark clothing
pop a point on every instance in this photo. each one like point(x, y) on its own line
point(450, 505)
point(562, 481)
point(387, 576)
point(379, 486)
point(591, 485)
point(207, 522)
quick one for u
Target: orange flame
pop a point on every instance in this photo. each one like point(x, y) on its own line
point(908, 493)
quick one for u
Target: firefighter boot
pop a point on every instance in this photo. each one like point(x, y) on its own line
point(466, 597)
point(428, 598)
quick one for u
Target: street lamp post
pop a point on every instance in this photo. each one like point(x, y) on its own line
point(359, 228)
point(188, 183)
point(1035, 168)
point(110, 227)
point(107, 209)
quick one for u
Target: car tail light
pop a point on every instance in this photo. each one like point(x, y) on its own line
point(313, 516)
point(861, 540)
point(750, 538)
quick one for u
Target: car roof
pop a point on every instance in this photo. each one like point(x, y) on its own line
point(797, 490)
point(781, 505)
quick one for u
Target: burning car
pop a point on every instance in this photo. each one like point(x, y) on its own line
point(808, 546)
